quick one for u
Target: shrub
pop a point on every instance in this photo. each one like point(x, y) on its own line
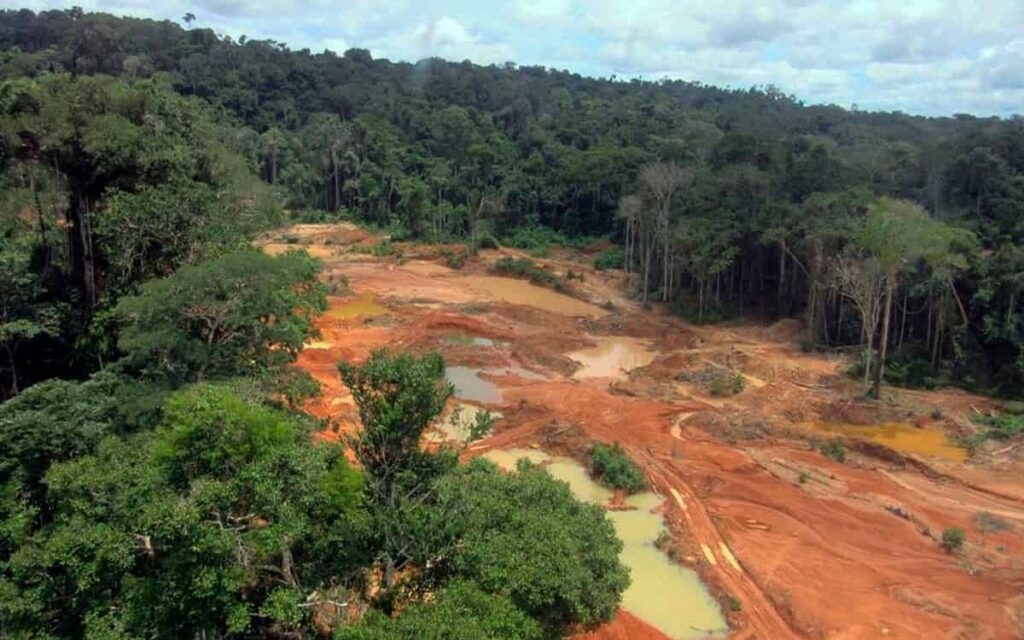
point(1000, 426)
point(834, 449)
point(726, 385)
point(526, 268)
point(337, 284)
point(990, 522)
point(382, 249)
point(610, 258)
point(953, 539)
point(612, 467)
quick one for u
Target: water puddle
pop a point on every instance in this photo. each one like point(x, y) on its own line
point(470, 386)
point(515, 370)
point(522, 292)
point(899, 436)
point(507, 458)
point(466, 340)
point(365, 305)
point(663, 594)
point(613, 357)
point(455, 425)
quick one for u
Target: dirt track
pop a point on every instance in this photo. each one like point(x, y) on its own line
point(807, 547)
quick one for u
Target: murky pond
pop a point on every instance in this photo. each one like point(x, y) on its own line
point(466, 340)
point(522, 292)
point(456, 424)
point(470, 386)
point(663, 594)
point(364, 305)
point(899, 436)
point(515, 370)
point(612, 357)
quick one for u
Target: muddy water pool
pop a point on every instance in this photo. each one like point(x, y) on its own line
point(666, 596)
point(612, 357)
point(514, 291)
point(900, 436)
point(364, 305)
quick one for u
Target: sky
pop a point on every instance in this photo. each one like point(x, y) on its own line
point(930, 57)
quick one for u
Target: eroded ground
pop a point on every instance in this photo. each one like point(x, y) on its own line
point(789, 542)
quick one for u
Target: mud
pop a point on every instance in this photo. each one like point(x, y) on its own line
point(791, 544)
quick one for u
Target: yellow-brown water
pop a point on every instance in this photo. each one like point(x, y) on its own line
point(470, 386)
point(612, 357)
point(663, 594)
point(364, 305)
point(522, 292)
point(899, 436)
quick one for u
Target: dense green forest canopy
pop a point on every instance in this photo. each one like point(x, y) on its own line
point(156, 478)
point(761, 190)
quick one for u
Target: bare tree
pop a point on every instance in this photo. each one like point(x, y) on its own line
point(862, 280)
point(661, 181)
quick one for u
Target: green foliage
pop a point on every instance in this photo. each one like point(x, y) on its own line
point(244, 313)
point(460, 611)
point(526, 268)
point(953, 539)
point(51, 422)
point(726, 384)
point(999, 426)
point(482, 425)
point(612, 467)
point(524, 536)
point(835, 449)
point(226, 518)
point(610, 258)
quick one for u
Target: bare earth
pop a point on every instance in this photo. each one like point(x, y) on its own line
point(809, 548)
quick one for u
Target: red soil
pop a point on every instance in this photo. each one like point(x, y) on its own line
point(819, 549)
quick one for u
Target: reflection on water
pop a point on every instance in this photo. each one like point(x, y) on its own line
point(465, 340)
point(613, 357)
point(470, 386)
point(522, 292)
point(507, 458)
point(663, 594)
point(455, 425)
point(365, 305)
point(515, 370)
point(899, 436)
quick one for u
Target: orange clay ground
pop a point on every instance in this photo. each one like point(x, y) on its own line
point(791, 543)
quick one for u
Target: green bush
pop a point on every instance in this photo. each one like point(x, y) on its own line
point(1000, 427)
point(612, 467)
point(726, 385)
point(382, 249)
point(834, 449)
point(610, 258)
point(526, 268)
point(953, 539)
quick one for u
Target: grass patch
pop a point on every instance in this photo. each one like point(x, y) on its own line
point(727, 385)
point(538, 240)
point(610, 258)
point(613, 468)
point(990, 523)
point(834, 449)
point(1001, 426)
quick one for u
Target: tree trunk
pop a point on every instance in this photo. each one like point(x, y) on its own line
point(884, 345)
